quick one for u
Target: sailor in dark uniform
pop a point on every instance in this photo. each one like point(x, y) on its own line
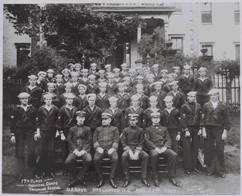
point(102, 97)
point(23, 133)
point(80, 100)
point(185, 82)
point(216, 124)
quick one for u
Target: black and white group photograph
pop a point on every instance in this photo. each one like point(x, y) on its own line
point(121, 98)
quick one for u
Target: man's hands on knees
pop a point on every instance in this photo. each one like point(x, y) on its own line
point(160, 151)
point(111, 150)
point(100, 150)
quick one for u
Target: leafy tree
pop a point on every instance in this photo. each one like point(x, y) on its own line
point(84, 30)
point(153, 45)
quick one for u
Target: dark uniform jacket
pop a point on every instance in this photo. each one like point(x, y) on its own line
point(190, 114)
point(24, 120)
point(60, 89)
point(202, 87)
point(93, 117)
point(80, 102)
point(123, 101)
point(133, 138)
point(151, 89)
point(178, 100)
point(147, 117)
point(186, 84)
point(117, 118)
point(66, 118)
point(157, 137)
point(131, 110)
point(166, 87)
point(218, 117)
point(112, 90)
point(80, 138)
point(171, 120)
point(161, 96)
point(123, 74)
point(106, 137)
point(35, 95)
point(46, 120)
point(92, 89)
point(42, 85)
point(74, 88)
point(157, 75)
point(102, 102)
point(143, 101)
point(83, 81)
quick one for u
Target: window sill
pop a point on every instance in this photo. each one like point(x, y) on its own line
point(206, 23)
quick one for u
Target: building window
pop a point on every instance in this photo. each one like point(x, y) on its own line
point(209, 47)
point(177, 44)
point(237, 52)
point(236, 16)
point(206, 13)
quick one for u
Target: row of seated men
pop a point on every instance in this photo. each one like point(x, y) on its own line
point(49, 118)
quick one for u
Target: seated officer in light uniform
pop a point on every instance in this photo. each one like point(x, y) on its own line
point(79, 141)
point(158, 142)
point(105, 142)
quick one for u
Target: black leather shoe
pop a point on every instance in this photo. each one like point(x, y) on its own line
point(126, 183)
point(143, 181)
point(111, 182)
point(187, 172)
point(73, 183)
point(156, 183)
point(195, 169)
point(52, 174)
point(173, 181)
point(222, 175)
point(64, 173)
point(101, 183)
point(209, 174)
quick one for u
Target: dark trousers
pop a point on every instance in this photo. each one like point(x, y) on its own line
point(70, 164)
point(98, 157)
point(202, 99)
point(190, 148)
point(46, 161)
point(171, 164)
point(214, 150)
point(65, 150)
point(144, 163)
point(174, 142)
point(24, 137)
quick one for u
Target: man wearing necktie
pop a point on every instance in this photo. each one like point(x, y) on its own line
point(158, 142)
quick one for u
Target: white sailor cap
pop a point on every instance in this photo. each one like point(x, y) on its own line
point(93, 65)
point(107, 66)
point(173, 83)
point(91, 76)
point(213, 91)
point(58, 76)
point(51, 84)
point(187, 67)
point(84, 70)
point(139, 77)
point(124, 65)
point(168, 98)
point(69, 95)
point(202, 69)
point(66, 70)
point(150, 75)
point(132, 70)
point(153, 98)
point(155, 114)
point(74, 74)
point(82, 86)
point(102, 84)
point(33, 77)
point(146, 69)
point(101, 71)
point(116, 70)
point(157, 83)
point(41, 73)
point(192, 93)
point(91, 95)
point(48, 95)
point(113, 98)
point(155, 65)
point(164, 70)
point(68, 84)
point(134, 97)
point(23, 95)
point(77, 65)
point(50, 71)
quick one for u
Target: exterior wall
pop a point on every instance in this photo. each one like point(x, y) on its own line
point(9, 40)
point(223, 32)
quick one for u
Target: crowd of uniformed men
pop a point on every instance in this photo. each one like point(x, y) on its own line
point(132, 114)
